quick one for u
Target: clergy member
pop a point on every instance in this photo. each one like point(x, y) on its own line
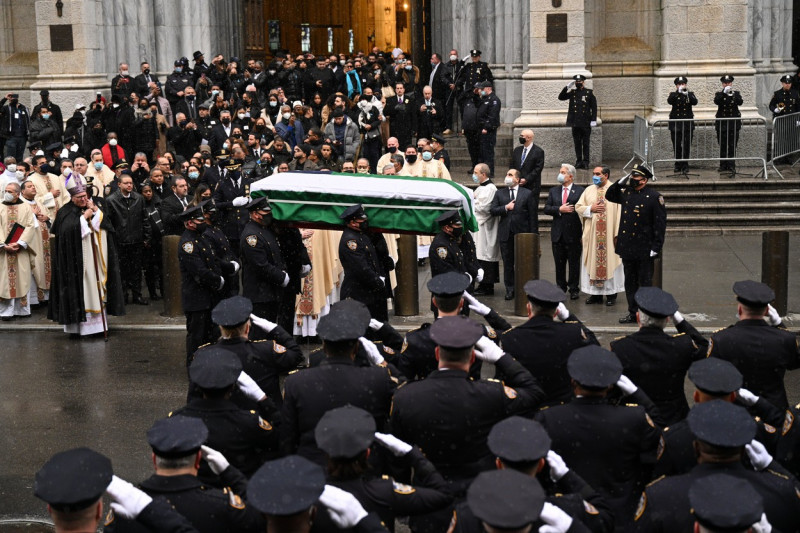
point(16, 218)
point(40, 244)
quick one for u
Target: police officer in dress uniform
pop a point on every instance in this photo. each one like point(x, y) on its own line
point(363, 271)
point(440, 152)
point(581, 117)
point(475, 72)
point(176, 443)
point(589, 427)
point(231, 196)
point(785, 100)
point(202, 280)
point(488, 122)
point(450, 250)
point(656, 361)
point(727, 101)
point(758, 344)
point(448, 295)
point(681, 100)
point(309, 394)
point(642, 228)
point(554, 340)
point(723, 503)
point(215, 238)
point(523, 445)
point(263, 269)
point(245, 438)
point(722, 432)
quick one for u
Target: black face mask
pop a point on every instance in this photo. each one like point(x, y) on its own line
point(226, 121)
point(190, 97)
point(458, 232)
point(200, 227)
point(392, 149)
point(522, 140)
point(364, 226)
point(411, 159)
point(146, 71)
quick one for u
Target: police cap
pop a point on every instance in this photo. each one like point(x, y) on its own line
point(484, 84)
point(345, 432)
point(353, 212)
point(347, 320)
point(680, 80)
point(438, 138)
point(727, 78)
point(455, 332)
point(506, 499)
point(721, 423)
point(579, 77)
point(641, 170)
point(448, 284)
point(73, 480)
point(753, 293)
point(286, 486)
point(725, 503)
point(259, 204)
point(177, 436)
point(197, 54)
point(715, 376)
point(56, 146)
point(232, 312)
point(518, 439)
point(449, 217)
point(223, 155)
point(214, 367)
point(232, 164)
point(787, 78)
point(475, 53)
point(656, 302)
point(594, 367)
point(194, 212)
point(544, 292)
point(121, 164)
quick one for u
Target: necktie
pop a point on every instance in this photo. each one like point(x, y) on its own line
point(512, 194)
point(184, 204)
point(524, 155)
point(399, 99)
point(564, 197)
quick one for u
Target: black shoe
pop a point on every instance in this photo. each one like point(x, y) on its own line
point(628, 319)
point(421, 262)
point(138, 300)
point(594, 299)
point(509, 294)
point(155, 297)
point(483, 291)
point(611, 301)
point(574, 295)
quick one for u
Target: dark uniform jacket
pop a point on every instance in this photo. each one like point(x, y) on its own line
point(129, 218)
point(443, 156)
point(681, 109)
point(309, 394)
point(449, 416)
point(543, 345)
point(469, 112)
point(447, 255)
point(728, 105)
point(643, 223)
point(582, 109)
point(201, 273)
point(386, 339)
point(214, 237)
point(788, 452)
point(657, 362)
point(489, 112)
point(762, 353)
point(475, 72)
point(176, 82)
point(232, 219)
point(263, 268)
point(790, 101)
point(362, 268)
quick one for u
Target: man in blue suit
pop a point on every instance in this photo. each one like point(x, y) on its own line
point(566, 230)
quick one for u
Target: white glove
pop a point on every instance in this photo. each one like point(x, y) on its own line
point(240, 201)
point(343, 508)
point(776, 110)
point(216, 461)
point(373, 354)
point(128, 500)
point(593, 123)
point(393, 444)
point(763, 525)
point(235, 266)
point(677, 317)
point(375, 325)
point(73, 148)
point(772, 317)
point(562, 312)
point(469, 276)
point(555, 520)
point(249, 387)
point(304, 270)
point(383, 280)
point(263, 323)
point(758, 454)
point(571, 85)
point(285, 279)
point(64, 153)
point(746, 397)
point(486, 350)
point(626, 385)
point(558, 468)
point(623, 182)
point(221, 283)
point(475, 305)
point(727, 90)
point(653, 253)
point(479, 277)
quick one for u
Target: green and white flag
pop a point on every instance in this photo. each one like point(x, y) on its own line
point(393, 203)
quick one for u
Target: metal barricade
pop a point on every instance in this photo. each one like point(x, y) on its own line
point(641, 140)
point(703, 141)
point(785, 138)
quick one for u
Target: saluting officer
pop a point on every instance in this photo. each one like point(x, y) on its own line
point(728, 101)
point(475, 72)
point(263, 269)
point(363, 271)
point(202, 280)
point(581, 116)
point(642, 228)
point(488, 122)
point(681, 100)
point(785, 100)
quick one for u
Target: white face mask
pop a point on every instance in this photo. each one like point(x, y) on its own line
point(112, 142)
point(241, 116)
point(286, 116)
point(509, 181)
point(12, 168)
point(64, 153)
point(126, 73)
point(115, 106)
point(8, 197)
point(20, 175)
point(453, 57)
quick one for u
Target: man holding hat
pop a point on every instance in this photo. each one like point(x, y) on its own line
point(231, 196)
point(758, 344)
point(581, 116)
point(608, 445)
point(642, 229)
point(336, 382)
point(177, 444)
point(727, 101)
point(680, 128)
point(656, 361)
point(453, 249)
point(488, 122)
point(785, 100)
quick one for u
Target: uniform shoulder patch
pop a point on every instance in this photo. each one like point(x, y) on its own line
point(352, 244)
point(769, 429)
point(251, 240)
point(661, 200)
point(235, 501)
point(650, 420)
point(263, 424)
point(110, 517)
point(788, 420)
point(641, 507)
point(402, 488)
point(441, 251)
point(388, 350)
point(491, 333)
point(278, 348)
point(591, 509)
point(188, 247)
point(510, 393)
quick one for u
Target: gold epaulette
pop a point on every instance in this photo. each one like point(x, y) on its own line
point(656, 480)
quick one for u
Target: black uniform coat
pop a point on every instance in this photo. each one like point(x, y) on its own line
point(522, 219)
point(489, 112)
point(657, 362)
point(762, 353)
point(362, 268)
point(681, 109)
point(531, 169)
point(643, 223)
point(543, 345)
point(582, 109)
point(309, 394)
point(728, 106)
point(566, 227)
point(790, 100)
point(201, 273)
point(263, 267)
point(232, 219)
point(446, 255)
point(214, 237)
point(474, 72)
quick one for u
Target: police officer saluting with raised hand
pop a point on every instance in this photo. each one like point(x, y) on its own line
point(581, 117)
point(727, 101)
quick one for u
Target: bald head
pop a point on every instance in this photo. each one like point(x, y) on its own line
point(526, 137)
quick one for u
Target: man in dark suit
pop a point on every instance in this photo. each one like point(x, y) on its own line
point(437, 80)
point(220, 133)
point(173, 205)
point(401, 111)
point(142, 81)
point(516, 208)
point(188, 104)
point(529, 160)
point(566, 231)
point(429, 114)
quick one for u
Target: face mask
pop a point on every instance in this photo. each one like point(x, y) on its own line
point(214, 92)
point(200, 227)
point(146, 71)
point(190, 97)
point(83, 113)
point(560, 178)
point(194, 175)
point(522, 140)
point(286, 116)
point(408, 67)
point(427, 156)
point(46, 116)
point(237, 135)
point(98, 165)
point(509, 181)
point(226, 120)
point(392, 149)
point(341, 62)
point(114, 106)
point(475, 178)
point(11, 168)
point(178, 70)
point(126, 73)
point(411, 159)
point(458, 232)
point(112, 142)
point(20, 175)
point(364, 226)
point(273, 103)
point(224, 146)
point(433, 64)
point(183, 123)
point(241, 116)
point(363, 171)
point(8, 197)
point(453, 58)
point(483, 93)
point(271, 72)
